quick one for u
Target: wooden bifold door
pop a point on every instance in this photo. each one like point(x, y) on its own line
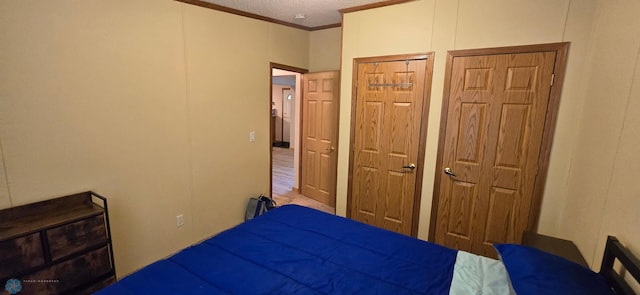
point(391, 105)
point(494, 146)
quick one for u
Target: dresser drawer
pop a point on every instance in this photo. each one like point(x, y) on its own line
point(68, 274)
point(20, 254)
point(76, 236)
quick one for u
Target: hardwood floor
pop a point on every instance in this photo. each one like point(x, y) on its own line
point(283, 179)
point(283, 174)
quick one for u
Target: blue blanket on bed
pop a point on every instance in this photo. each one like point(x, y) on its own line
point(297, 250)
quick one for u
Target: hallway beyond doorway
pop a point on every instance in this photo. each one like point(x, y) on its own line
point(283, 181)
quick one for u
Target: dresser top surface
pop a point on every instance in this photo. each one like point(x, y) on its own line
point(29, 218)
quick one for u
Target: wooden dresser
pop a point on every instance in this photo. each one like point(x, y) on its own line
point(58, 246)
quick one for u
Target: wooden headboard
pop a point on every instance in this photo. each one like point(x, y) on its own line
point(614, 250)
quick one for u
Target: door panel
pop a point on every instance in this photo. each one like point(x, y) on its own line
point(502, 208)
point(495, 122)
point(389, 107)
point(320, 135)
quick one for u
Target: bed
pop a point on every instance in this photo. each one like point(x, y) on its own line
point(298, 250)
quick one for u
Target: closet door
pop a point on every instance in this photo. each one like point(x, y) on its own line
point(390, 114)
point(491, 147)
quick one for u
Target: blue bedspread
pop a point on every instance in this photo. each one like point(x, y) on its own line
point(297, 250)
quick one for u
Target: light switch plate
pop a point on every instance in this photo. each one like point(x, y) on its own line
point(179, 220)
point(252, 136)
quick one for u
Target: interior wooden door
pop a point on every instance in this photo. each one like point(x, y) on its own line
point(320, 134)
point(495, 122)
point(390, 113)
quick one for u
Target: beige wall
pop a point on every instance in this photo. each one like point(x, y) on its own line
point(95, 100)
point(603, 192)
point(580, 23)
point(289, 46)
point(588, 191)
point(324, 50)
point(144, 102)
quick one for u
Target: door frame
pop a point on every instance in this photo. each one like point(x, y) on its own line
point(561, 49)
point(422, 141)
point(302, 71)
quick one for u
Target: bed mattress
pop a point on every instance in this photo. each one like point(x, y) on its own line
point(297, 250)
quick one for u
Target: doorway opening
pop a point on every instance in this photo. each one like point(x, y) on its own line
point(285, 98)
point(285, 133)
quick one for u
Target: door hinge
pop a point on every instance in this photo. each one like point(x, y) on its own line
point(553, 77)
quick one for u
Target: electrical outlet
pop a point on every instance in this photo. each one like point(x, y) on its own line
point(179, 220)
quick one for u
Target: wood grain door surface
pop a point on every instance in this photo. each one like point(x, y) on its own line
point(492, 141)
point(320, 135)
point(387, 134)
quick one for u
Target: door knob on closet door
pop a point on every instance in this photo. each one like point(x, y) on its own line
point(410, 166)
point(448, 171)
point(330, 150)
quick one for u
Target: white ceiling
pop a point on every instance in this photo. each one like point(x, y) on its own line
point(317, 12)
